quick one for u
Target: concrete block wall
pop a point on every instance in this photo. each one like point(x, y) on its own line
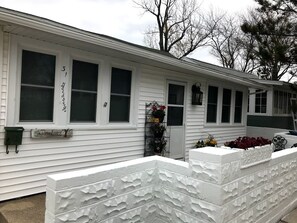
point(212, 187)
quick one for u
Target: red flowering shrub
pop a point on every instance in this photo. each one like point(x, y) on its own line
point(247, 142)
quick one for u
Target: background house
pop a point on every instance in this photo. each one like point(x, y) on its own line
point(58, 77)
point(269, 111)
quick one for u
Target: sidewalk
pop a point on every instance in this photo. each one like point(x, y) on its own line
point(23, 210)
point(31, 209)
point(290, 218)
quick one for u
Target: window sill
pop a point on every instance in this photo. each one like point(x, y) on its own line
point(217, 125)
point(86, 127)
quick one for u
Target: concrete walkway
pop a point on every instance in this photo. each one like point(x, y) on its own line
point(23, 210)
point(31, 210)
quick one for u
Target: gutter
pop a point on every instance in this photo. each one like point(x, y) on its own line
point(56, 28)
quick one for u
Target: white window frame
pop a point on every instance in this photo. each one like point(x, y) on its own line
point(261, 105)
point(219, 122)
point(64, 58)
point(89, 59)
point(15, 80)
point(133, 102)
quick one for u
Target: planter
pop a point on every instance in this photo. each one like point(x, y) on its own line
point(255, 155)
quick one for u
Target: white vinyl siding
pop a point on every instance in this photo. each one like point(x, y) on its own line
point(5, 40)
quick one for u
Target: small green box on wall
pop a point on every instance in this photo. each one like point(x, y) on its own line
point(13, 136)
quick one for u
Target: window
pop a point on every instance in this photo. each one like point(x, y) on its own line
point(37, 87)
point(261, 102)
point(281, 102)
point(84, 92)
point(175, 105)
point(238, 107)
point(212, 104)
point(120, 95)
point(226, 106)
point(64, 87)
point(222, 103)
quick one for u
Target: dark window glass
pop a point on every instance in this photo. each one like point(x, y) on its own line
point(36, 104)
point(212, 104)
point(226, 107)
point(275, 102)
point(37, 86)
point(175, 116)
point(238, 107)
point(85, 76)
point(120, 95)
point(38, 68)
point(175, 109)
point(83, 107)
point(176, 94)
point(84, 91)
point(121, 81)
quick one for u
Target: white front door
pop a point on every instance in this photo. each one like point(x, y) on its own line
point(175, 119)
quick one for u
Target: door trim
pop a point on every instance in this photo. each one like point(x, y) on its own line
point(181, 83)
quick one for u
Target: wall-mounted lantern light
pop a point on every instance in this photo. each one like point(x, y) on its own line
point(197, 94)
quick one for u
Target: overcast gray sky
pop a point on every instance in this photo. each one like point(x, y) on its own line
point(117, 18)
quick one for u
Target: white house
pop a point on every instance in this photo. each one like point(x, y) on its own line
point(58, 77)
point(269, 111)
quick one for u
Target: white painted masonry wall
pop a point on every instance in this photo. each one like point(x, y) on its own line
point(211, 188)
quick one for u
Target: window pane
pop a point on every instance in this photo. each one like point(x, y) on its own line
point(212, 104)
point(37, 86)
point(84, 76)
point(226, 106)
point(121, 81)
point(275, 102)
point(175, 116)
point(83, 107)
point(212, 94)
point(238, 107)
point(119, 109)
point(120, 95)
point(38, 68)
point(84, 92)
point(285, 106)
point(36, 104)
point(257, 109)
point(261, 101)
point(211, 113)
point(176, 94)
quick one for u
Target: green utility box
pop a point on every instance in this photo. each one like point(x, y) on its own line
point(13, 136)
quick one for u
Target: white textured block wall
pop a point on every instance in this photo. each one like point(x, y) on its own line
point(213, 187)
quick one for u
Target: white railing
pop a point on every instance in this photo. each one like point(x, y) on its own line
point(212, 187)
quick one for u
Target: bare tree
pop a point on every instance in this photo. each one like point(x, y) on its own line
point(179, 29)
point(230, 45)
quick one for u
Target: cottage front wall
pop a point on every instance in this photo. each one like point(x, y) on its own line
point(91, 145)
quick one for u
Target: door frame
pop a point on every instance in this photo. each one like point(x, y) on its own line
point(182, 83)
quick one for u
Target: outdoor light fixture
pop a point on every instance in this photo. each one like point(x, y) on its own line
point(197, 94)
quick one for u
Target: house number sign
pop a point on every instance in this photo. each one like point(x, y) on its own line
point(63, 85)
point(51, 133)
